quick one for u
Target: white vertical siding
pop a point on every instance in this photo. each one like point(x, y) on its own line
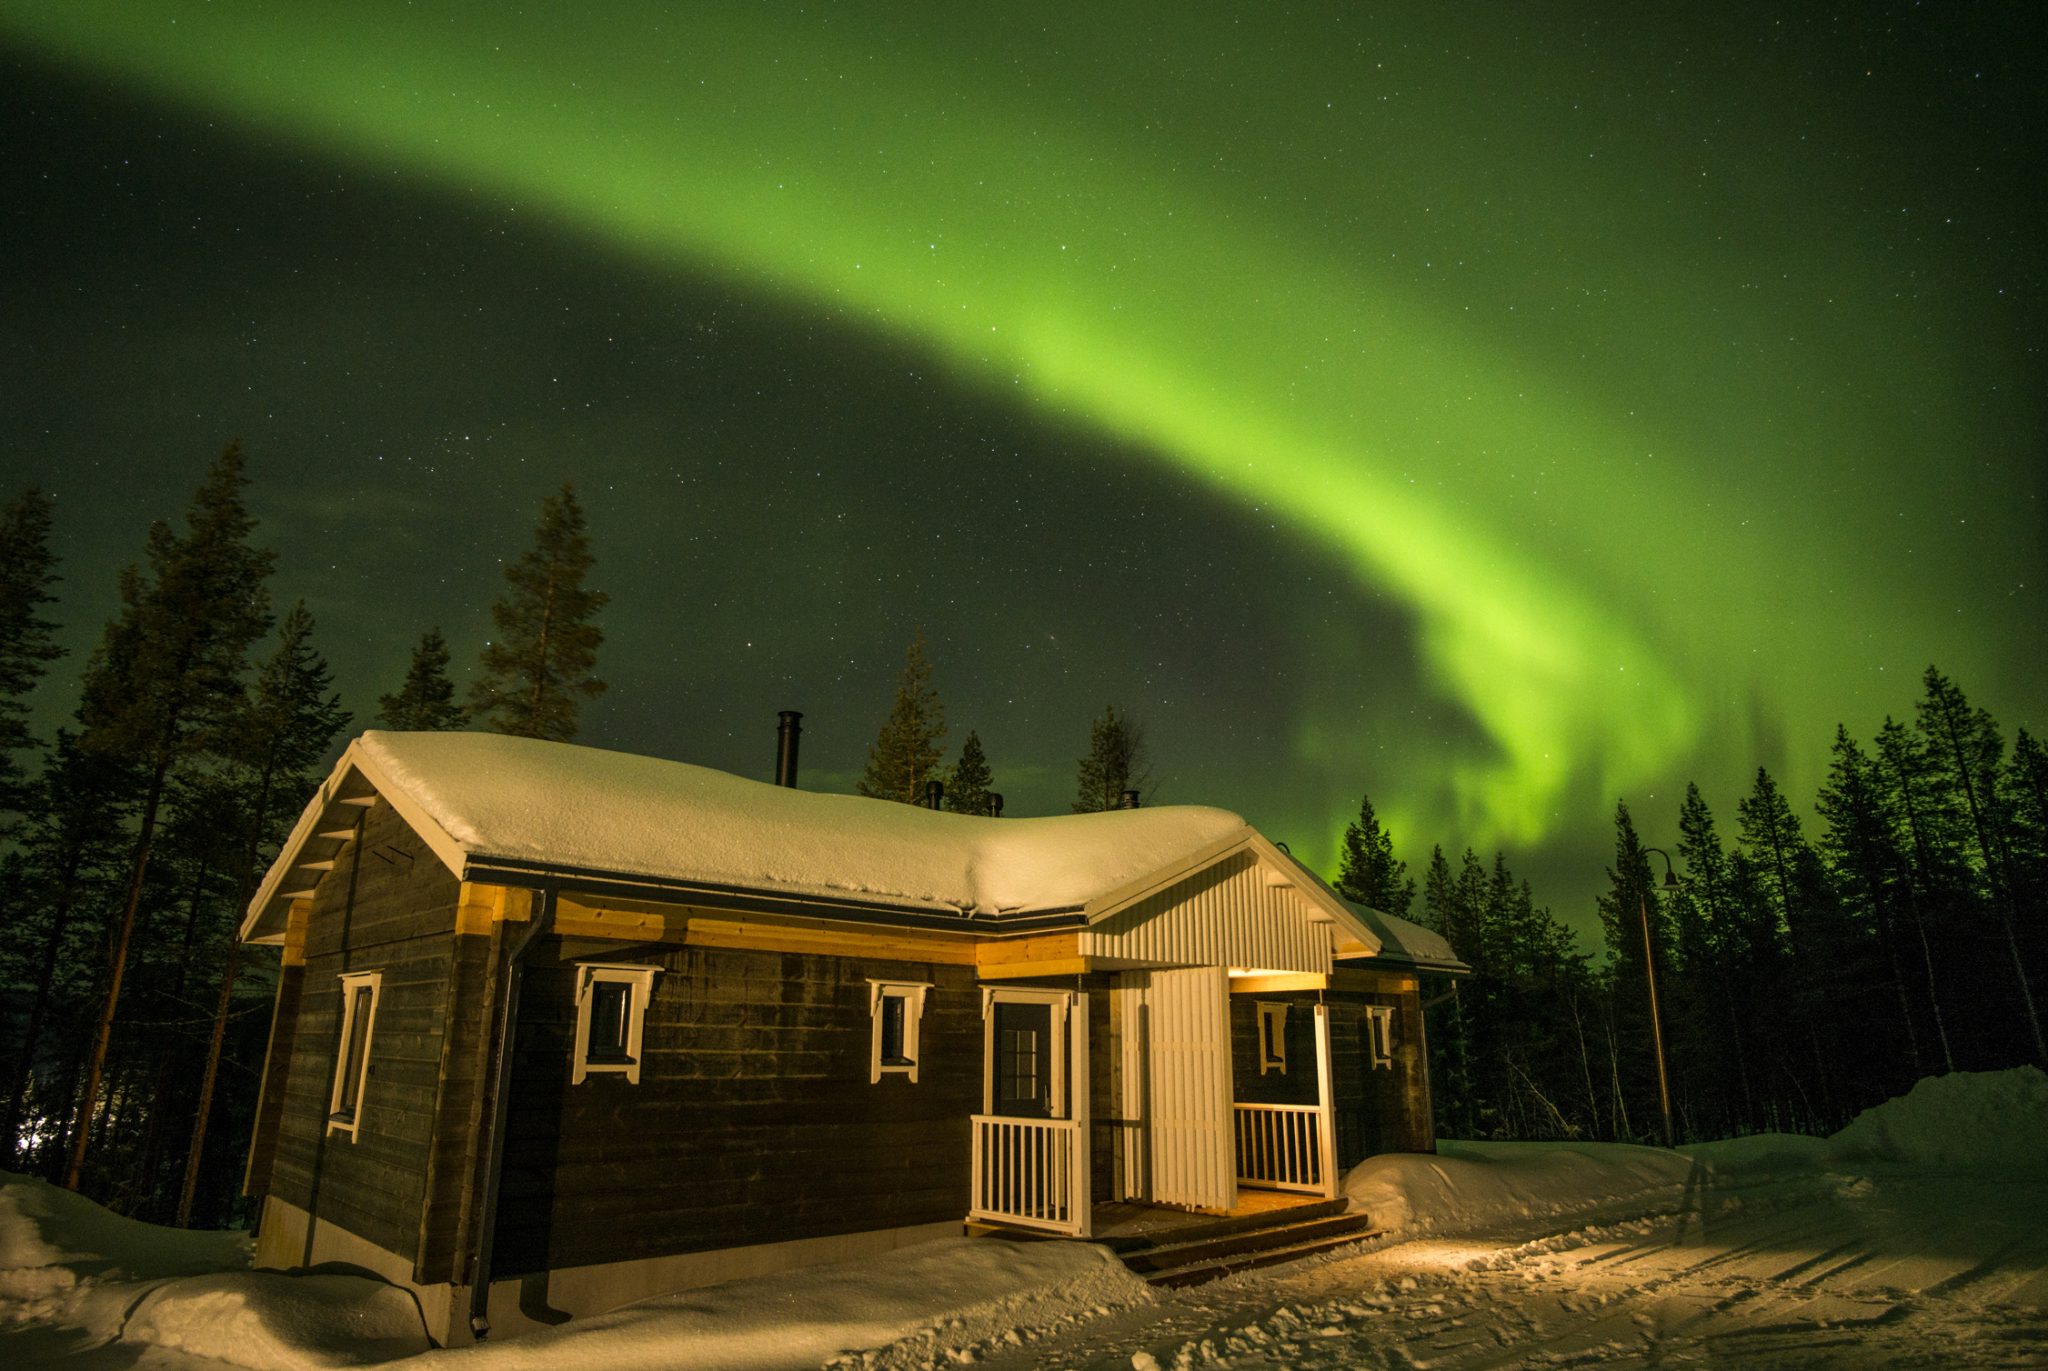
point(1228, 915)
point(1187, 1027)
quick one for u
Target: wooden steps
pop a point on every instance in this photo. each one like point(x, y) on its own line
point(1206, 1252)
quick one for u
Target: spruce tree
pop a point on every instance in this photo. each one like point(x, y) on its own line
point(27, 571)
point(165, 680)
point(538, 668)
point(1119, 759)
point(278, 741)
point(968, 789)
point(1967, 757)
point(68, 865)
point(1369, 872)
point(426, 702)
point(1859, 847)
point(905, 755)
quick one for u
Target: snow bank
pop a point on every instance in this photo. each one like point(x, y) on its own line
point(54, 1245)
point(272, 1322)
point(936, 1301)
point(1475, 1185)
point(530, 800)
point(1985, 1121)
point(1995, 1121)
point(68, 1264)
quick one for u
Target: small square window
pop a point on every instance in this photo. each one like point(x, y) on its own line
point(896, 1008)
point(359, 992)
point(1379, 1036)
point(611, 1015)
point(1272, 1037)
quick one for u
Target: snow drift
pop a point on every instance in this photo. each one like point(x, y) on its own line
point(67, 1264)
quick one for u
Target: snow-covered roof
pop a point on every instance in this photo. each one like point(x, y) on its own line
point(480, 799)
point(1402, 940)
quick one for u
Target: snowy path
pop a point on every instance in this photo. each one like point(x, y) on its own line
point(1825, 1271)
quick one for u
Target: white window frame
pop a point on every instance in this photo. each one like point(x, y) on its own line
point(912, 995)
point(1379, 1042)
point(351, 982)
point(641, 979)
point(1062, 1002)
point(1272, 1025)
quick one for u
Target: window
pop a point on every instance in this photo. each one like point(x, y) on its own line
point(1379, 1036)
point(359, 991)
point(896, 1008)
point(611, 1011)
point(1272, 1037)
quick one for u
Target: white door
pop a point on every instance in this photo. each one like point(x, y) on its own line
point(1177, 1082)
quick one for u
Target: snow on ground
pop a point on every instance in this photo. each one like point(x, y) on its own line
point(917, 1307)
point(81, 1287)
point(1916, 1237)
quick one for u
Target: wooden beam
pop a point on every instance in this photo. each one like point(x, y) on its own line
point(359, 801)
point(338, 835)
point(1278, 982)
point(762, 935)
point(313, 866)
point(1055, 966)
point(1039, 948)
point(296, 923)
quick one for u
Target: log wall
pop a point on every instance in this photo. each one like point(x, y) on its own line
point(753, 1121)
point(388, 905)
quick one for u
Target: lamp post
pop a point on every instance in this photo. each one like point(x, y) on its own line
point(1650, 976)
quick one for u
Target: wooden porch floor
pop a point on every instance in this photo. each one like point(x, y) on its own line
point(1154, 1223)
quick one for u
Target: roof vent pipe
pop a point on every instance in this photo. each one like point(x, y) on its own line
point(1129, 800)
point(995, 804)
point(786, 735)
point(934, 794)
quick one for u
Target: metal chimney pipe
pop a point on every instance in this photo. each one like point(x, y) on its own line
point(1129, 800)
point(934, 794)
point(786, 735)
point(995, 804)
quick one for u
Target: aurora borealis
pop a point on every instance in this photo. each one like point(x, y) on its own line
point(1496, 415)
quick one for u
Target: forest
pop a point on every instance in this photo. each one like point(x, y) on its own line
point(1800, 977)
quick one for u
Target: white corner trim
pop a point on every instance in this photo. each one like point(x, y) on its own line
point(641, 979)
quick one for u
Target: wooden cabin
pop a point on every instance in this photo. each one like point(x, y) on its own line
point(558, 1028)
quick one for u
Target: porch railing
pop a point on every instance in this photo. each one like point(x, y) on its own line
point(1280, 1147)
point(1029, 1172)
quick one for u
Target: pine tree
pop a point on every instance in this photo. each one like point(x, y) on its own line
point(905, 755)
point(1119, 759)
point(968, 789)
point(283, 733)
point(1630, 900)
point(1859, 847)
point(1967, 756)
point(426, 702)
point(538, 668)
point(67, 866)
point(1369, 872)
point(27, 570)
point(164, 681)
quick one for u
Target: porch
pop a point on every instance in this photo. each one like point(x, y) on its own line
point(1134, 1131)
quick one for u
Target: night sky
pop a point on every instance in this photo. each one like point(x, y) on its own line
point(1498, 416)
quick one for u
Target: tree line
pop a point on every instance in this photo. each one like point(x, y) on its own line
point(1801, 978)
point(904, 761)
point(132, 1028)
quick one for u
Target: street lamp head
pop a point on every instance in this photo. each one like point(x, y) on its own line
point(1670, 879)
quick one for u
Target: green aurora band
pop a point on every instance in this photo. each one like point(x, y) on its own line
point(1452, 330)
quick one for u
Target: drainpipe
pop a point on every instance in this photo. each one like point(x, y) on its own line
point(492, 1154)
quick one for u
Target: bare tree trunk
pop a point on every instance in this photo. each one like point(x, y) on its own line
point(46, 978)
point(206, 1082)
point(118, 965)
